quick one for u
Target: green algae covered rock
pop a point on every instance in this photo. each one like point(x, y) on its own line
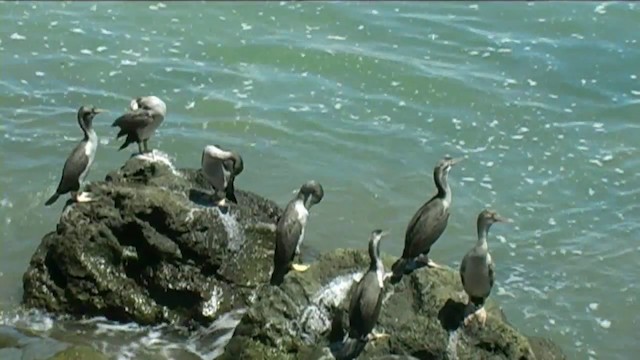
point(307, 316)
point(152, 249)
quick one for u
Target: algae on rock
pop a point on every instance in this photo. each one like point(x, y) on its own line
point(152, 249)
point(147, 250)
point(308, 314)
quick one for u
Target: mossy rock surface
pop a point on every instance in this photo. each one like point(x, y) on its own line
point(307, 315)
point(152, 249)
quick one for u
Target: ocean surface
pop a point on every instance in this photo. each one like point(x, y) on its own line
point(542, 99)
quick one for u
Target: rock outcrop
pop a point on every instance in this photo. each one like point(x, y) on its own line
point(307, 316)
point(152, 249)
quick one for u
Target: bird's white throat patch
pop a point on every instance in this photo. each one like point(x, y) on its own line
point(446, 202)
point(302, 212)
point(380, 275)
point(92, 144)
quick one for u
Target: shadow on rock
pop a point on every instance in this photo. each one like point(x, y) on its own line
point(451, 315)
point(207, 199)
point(201, 197)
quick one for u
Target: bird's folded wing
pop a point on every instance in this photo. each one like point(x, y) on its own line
point(133, 120)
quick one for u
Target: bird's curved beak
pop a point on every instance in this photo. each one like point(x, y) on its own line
point(98, 111)
point(384, 233)
point(455, 161)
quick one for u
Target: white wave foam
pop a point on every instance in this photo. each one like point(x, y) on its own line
point(158, 156)
point(211, 306)
point(233, 229)
point(130, 341)
point(210, 343)
point(34, 320)
point(315, 318)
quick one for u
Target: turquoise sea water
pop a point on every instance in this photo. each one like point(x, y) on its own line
point(541, 98)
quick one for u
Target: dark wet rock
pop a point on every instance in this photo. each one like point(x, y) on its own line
point(308, 314)
point(148, 250)
point(151, 249)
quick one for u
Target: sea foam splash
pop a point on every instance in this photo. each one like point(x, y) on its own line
point(235, 234)
point(315, 318)
point(158, 156)
point(130, 340)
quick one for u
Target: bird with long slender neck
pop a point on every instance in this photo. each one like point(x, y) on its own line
point(141, 121)
point(429, 222)
point(477, 268)
point(290, 230)
point(76, 167)
point(220, 168)
point(365, 303)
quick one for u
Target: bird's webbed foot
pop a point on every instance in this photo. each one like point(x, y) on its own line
point(300, 267)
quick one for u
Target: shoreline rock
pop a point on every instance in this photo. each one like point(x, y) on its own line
point(144, 251)
point(151, 249)
point(308, 315)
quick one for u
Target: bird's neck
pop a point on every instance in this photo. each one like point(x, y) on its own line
point(305, 200)
point(377, 267)
point(483, 232)
point(442, 184)
point(90, 134)
point(375, 263)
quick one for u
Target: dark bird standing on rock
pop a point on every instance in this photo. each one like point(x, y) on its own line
point(79, 162)
point(141, 121)
point(220, 168)
point(290, 230)
point(477, 269)
point(366, 302)
point(429, 222)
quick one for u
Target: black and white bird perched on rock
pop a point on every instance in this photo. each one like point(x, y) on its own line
point(79, 162)
point(366, 302)
point(220, 168)
point(141, 121)
point(429, 222)
point(290, 230)
point(477, 269)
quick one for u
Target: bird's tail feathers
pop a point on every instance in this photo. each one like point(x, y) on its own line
point(399, 266)
point(398, 269)
point(350, 349)
point(52, 199)
point(277, 276)
point(125, 144)
point(231, 193)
